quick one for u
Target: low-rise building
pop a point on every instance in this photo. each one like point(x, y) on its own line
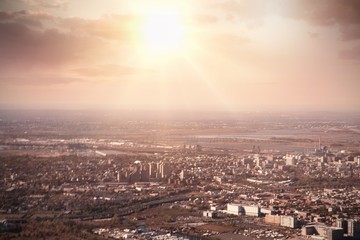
point(288, 221)
point(325, 232)
point(209, 214)
point(236, 209)
point(252, 211)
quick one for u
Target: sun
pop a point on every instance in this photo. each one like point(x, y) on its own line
point(162, 31)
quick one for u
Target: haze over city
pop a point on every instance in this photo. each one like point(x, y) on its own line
point(189, 55)
point(179, 119)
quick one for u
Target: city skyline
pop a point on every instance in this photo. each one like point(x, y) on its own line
point(170, 55)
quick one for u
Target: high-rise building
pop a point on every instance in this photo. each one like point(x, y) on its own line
point(334, 233)
point(135, 174)
point(159, 169)
point(342, 223)
point(182, 175)
point(152, 170)
point(164, 170)
point(354, 228)
point(145, 176)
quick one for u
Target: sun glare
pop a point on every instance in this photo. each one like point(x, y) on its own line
point(162, 31)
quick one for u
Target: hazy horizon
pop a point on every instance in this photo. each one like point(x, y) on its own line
point(175, 115)
point(229, 56)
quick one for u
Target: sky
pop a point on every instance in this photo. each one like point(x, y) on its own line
point(227, 55)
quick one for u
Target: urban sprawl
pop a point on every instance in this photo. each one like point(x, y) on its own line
point(179, 181)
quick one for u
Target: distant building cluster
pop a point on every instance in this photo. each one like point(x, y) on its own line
point(312, 194)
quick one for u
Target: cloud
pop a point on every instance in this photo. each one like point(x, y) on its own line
point(351, 53)
point(330, 11)
point(114, 27)
point(108, 70)
point(28, 18)
point(5, 16)
point(313, 34)
point(319, 12)
point(343, 14)
point(48, 48)
point(11, 16)
point(45, 3)
point(204, 19)
point(39, 79)
point(26, 47)
point(240, 9)
point(350, 32)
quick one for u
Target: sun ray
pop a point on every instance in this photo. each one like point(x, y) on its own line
point(209, 83)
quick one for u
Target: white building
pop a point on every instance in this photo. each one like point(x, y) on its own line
point(252, 211)
point(290, 160)
point(288, 221)
point(209, 214)
point(233, 208)
point(214, 208)
point(323, 232)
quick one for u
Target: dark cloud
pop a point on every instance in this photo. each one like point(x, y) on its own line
point(5, 16)
point(10, 16)
point(27, 47)
point(34, 42)
point(325, 12)
point(350, 32)
point(34, 5)
point(28, 18)
point(320, 12)
point(344, 14)
point(351, 53)
point(11, 5)
point(341, 14)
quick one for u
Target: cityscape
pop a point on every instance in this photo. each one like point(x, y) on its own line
point(126, 176)
point(180, 119)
